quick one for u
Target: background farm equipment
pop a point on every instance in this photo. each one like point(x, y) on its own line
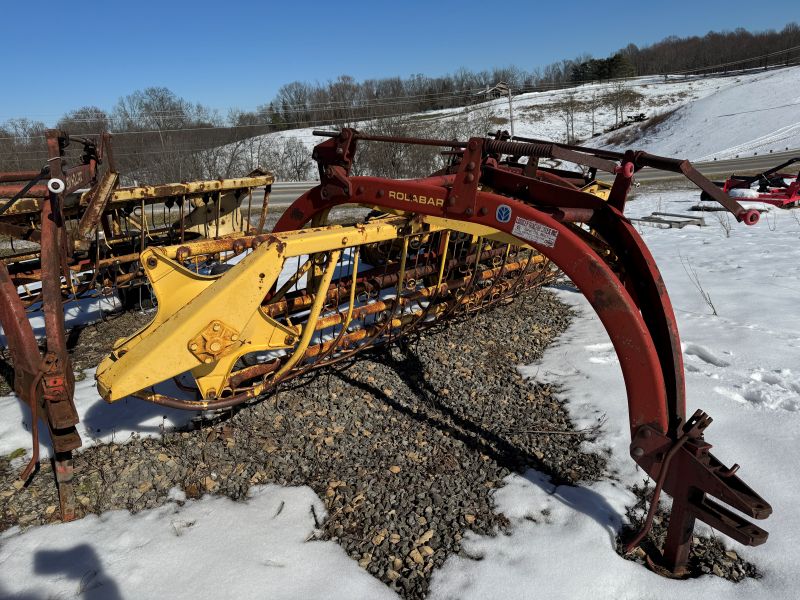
point(65, 247)
point(238, 315)
point(773, 186)
point(665, 220)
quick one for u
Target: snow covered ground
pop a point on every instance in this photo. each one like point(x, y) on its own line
point(741, 368)
point(100, 422)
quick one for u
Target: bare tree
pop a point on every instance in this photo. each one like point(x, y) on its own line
point(22, 144)
point(89, 120)
point(593, 104)
point(287, 158)
point(566, 111)
point(621, 98)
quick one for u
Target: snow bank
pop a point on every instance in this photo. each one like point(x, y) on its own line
point(535, 114)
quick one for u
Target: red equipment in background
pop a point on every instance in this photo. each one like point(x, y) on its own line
point(774, 187)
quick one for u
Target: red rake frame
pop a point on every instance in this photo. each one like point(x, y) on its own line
point(613, 269)
point(44, 379)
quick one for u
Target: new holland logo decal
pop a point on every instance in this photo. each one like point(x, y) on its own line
point(503, 213)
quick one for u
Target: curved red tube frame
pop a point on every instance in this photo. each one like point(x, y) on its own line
point(623, 286)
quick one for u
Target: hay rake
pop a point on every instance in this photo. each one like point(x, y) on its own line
point(302, 299)
point(268, 307)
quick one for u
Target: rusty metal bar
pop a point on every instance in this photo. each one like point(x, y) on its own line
point(98, 198)
point(346, 341)
point(12, 176)
point(426, 292)
point(371, 279)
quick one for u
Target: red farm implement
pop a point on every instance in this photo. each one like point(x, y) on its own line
point(774, 186)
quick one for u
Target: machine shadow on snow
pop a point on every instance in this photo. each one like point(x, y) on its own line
point(82, 565)
point(134, 415)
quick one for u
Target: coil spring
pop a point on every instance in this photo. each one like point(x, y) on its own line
point(519, 148)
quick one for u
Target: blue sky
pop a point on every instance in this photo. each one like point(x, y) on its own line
point(237, 54)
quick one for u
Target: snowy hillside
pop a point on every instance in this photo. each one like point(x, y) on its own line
point(714, 117)
point(754, 113)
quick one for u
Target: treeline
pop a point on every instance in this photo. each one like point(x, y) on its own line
point(304, 104)
point(602, 69)
point(674, 54)
point(738, 49)
point(161, 137)
point(158, 137)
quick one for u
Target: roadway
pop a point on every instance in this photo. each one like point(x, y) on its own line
point(285, 192)
point(744, 165)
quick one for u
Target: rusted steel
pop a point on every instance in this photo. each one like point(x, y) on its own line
point(77, 178)
point(21, 342)
point(347, 341)
point(262, 217)
point(686, 470)
point(45, 382)
point(59, 379)
point(98, 198)
point(376, 278)
point(175, 190)
point(37, 191)
point(102, 207)
point(10, 176)
point(67, 500)
point(427, 292)
point(204, 247)
point(20, 232)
